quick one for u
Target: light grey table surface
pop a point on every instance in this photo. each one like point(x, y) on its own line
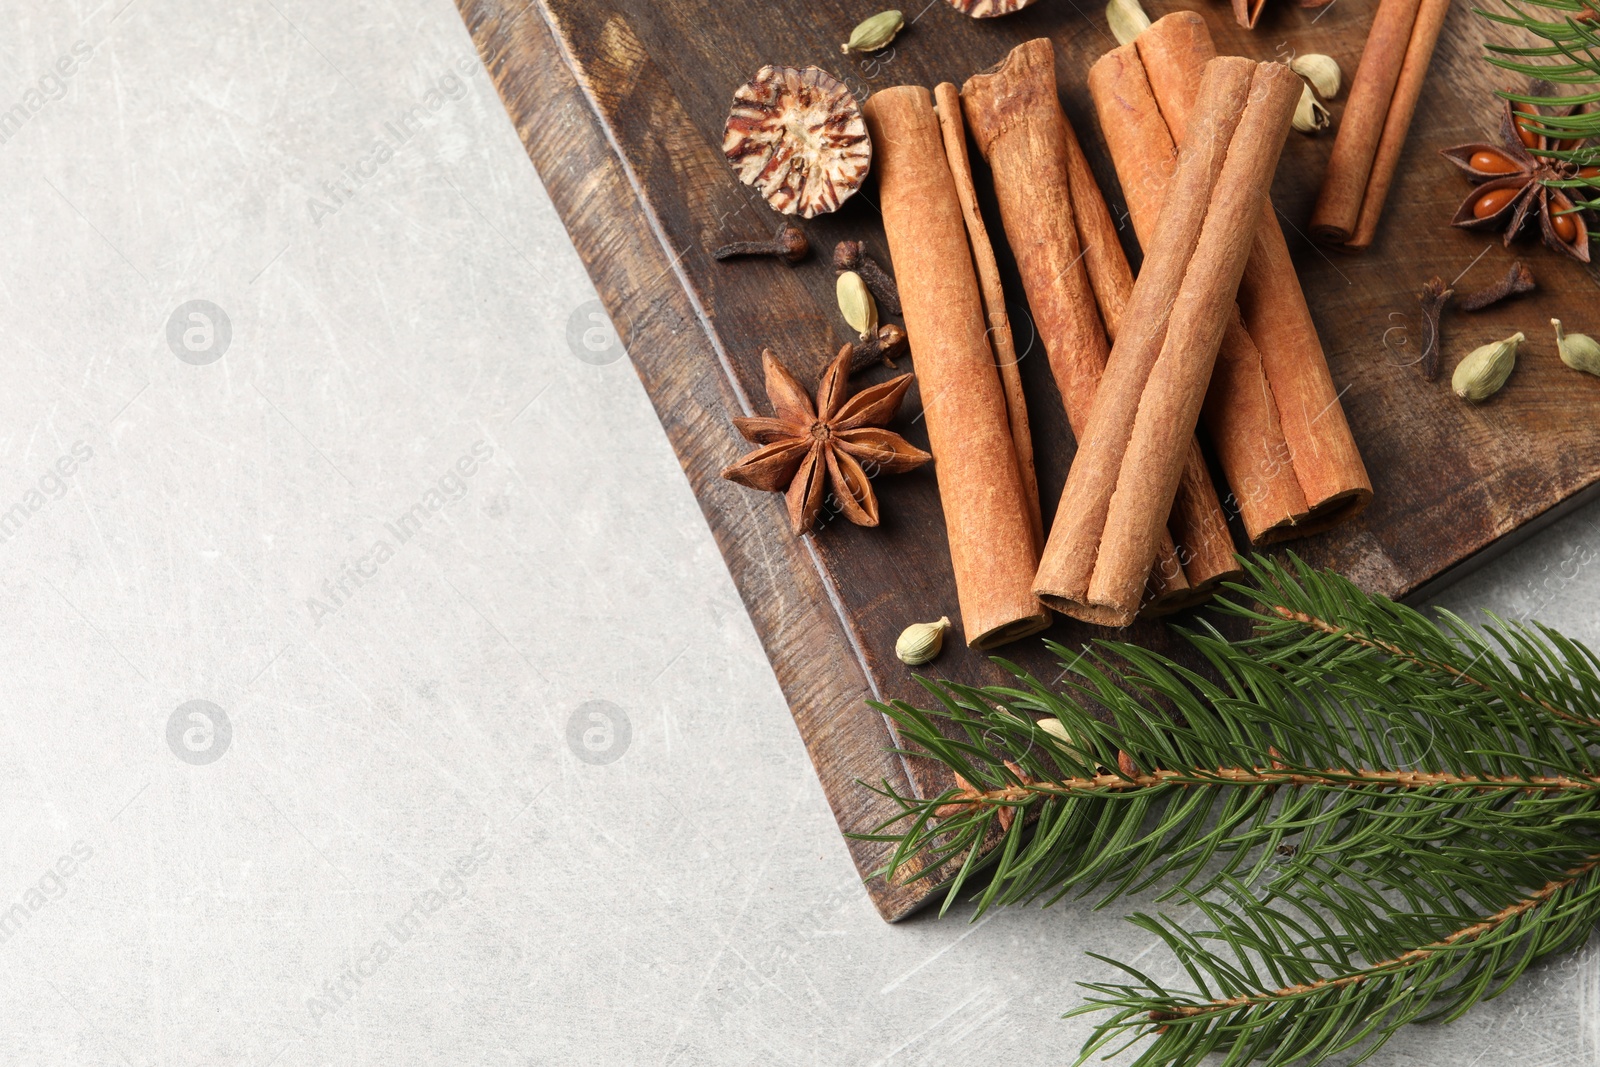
point(394, 831)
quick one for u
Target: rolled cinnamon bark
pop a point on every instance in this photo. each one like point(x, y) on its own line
point(1240, 413)
point(1198, 531)
point(1130, 458)
point(1321, 449)
point(1372, 131)
point(1203, 549)
point(963, 401)
point(947, 102)
point(1403, 106)
point(1015, 120)
point(1073, 269)
point(1272, 410)
point(1103, 257)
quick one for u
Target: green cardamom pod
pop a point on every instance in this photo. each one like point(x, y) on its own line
point(1485, 370)
point(1321, 71)
point(875, 33)
point(1126, 19)
point(1309, 114)
point(856, 304)
point(1054, 728)
point(921, 642)
point(1578, 350)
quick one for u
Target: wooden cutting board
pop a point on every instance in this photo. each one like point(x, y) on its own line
point(621, 105)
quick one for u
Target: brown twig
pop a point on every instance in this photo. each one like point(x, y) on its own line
point(968, 798)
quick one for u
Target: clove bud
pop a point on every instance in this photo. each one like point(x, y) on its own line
point(852, 255)
point(1485, 370)
point(877, 350)
point(1519, 279)
point(1435, 295)
point(1578, 350)
point(788, 244)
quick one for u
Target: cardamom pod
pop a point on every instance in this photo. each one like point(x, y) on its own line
point(1485, 370)
point(921, 642)
point(1321, 71)
point(874, 33)
point(1127, 20)
point(1309, 114)
point(1578, 350)
point(856, 304)
point(1054, 728)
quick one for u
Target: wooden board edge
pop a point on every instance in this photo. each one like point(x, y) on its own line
point(778, 577)
point(1503, 544)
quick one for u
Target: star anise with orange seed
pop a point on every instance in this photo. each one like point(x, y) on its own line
point(839, 440)
point(1510, 184)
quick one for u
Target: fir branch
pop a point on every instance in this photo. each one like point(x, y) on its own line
point(1291, 986)
point(1511, 664)
point(1259, 777)
point(1357, 637)
point(1331, 680)
point(1408, 959)
point(1572, 30)
point(1435, 786)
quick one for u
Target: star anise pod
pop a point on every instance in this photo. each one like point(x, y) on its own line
point(839, 439)
point(1510, 184)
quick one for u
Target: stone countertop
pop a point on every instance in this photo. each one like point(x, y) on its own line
point(373, 689)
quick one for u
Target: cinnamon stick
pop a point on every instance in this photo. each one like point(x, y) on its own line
point(1015, 120)
point(1103, 257)
point(1198, 528)
point(1397, 123)
point(1372, 131)
point(1130, 458)
point(947, 102)
point(1240, 414)
point(964, 403)
point(1272, 410)
point(1065, 241)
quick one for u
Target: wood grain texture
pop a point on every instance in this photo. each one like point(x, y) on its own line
point(620, 104)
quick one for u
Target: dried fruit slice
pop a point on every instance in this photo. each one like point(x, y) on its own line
point(988, 9)
point(797, 137)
